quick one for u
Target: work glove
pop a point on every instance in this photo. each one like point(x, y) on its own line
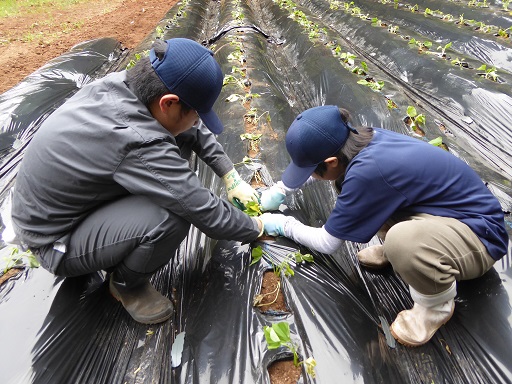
point(239, 192)
point(273, 223)
point(272, 198)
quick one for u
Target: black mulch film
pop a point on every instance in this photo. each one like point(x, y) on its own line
point(450, 60)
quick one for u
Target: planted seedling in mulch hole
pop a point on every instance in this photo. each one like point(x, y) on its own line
point(278, 336)
point(460, 63)
point(414, 121)
point(16, 261)
point(438, 142)
point(271, 297)
point(443, 49)
point(489, 73)
point(253, 140)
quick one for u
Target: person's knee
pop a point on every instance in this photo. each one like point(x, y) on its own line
point(403, 245)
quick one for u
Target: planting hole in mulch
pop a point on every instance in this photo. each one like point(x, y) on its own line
point(284, 372)
point(271, 297)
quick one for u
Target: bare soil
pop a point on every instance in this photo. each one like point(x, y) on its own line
point(272, 297)
point(284, 372)
point(40, 34)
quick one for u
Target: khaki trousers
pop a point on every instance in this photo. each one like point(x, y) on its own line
point(431, 252)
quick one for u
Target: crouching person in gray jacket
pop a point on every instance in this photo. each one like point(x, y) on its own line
point(105, 183)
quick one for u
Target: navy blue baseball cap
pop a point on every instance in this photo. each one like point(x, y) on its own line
point(315, 135)
point(189, 71)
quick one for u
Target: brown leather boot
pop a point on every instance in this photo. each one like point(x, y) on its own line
point(373, 257)
point(143, 302)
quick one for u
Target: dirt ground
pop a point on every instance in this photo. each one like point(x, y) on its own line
point(41, 33)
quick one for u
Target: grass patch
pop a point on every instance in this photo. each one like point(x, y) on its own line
point(9, 8)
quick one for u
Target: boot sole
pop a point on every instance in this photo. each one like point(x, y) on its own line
point(416, 345)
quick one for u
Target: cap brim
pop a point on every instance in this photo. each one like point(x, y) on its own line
point(294, 176)
point(212, 121)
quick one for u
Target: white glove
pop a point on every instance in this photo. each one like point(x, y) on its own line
point(239, 191)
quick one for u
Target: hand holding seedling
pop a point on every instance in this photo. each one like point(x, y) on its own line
point(239, 192)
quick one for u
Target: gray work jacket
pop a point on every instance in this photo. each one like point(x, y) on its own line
point(103, 144)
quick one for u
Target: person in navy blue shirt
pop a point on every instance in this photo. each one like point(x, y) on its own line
point(437, 220)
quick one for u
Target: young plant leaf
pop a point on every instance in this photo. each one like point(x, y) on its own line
point(256, 255)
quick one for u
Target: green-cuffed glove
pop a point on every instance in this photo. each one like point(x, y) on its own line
point(239, 192)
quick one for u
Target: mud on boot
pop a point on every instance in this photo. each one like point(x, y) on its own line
point(416, 326)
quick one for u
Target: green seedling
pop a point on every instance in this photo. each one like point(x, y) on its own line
point(284, 268)
point(462, 21)
point(251, 136)
point(369, 82)
point(355, 11)
point(503, 33)
point(138, 56)
point(245, 160)
point(363, 70)
point(253, 139)
point(460, 63)
point(230, 79)
point(241, 71)
point(334, 5)
point(159, 31)
point(414, 8)
point(489, 73)
point(300, 258)
point(393, 29)
point(237, 56)
point(348, 58)
point(505, 4)
point(278, 335)
point(16, 257)
point(438, 142)
point(422, 46)
point(252, 208)
point(414, 121)
point(378, 22)
point(242, 98)
point(256, 255)
point(252, 116)
point(443, 49)
point(391, 104)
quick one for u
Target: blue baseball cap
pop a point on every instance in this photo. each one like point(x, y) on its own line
point(189, 71)
point(315, 135)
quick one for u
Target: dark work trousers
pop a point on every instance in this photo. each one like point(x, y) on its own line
point(132, 232)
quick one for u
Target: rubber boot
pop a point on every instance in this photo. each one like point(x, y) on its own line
point(416, 326)
point(373, 257)
point(143, 302)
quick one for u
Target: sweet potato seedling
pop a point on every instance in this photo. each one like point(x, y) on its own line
point(414, 120)
point(489, 73)
point(278, 335)
point(252, 208)
point(16, 257)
